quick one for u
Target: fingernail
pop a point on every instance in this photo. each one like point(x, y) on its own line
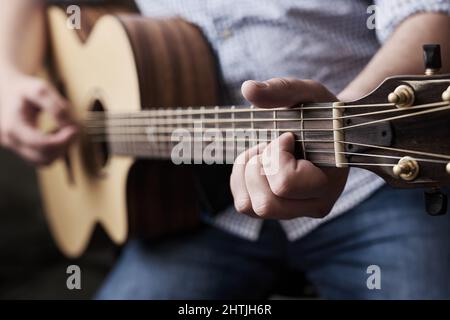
point(261, 85)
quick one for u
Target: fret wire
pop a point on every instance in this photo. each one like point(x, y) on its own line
point(302, 134)
point(202, 123)
point(216, 117)
point(233, 125)
point(158, 146)
point(274, 116)
point(202, 117)
point(179, 118)
point(233, 115)
point(155, 133)
point(130, 145)
point(252, 123)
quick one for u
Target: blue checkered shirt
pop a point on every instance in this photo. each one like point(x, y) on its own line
point(325, 40)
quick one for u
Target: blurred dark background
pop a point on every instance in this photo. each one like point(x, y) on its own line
point(31, 267)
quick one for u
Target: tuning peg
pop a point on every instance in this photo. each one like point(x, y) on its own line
point(432, 58)
point(446, 95)
point(436, 202)
point(407, 169)
point(403, 96)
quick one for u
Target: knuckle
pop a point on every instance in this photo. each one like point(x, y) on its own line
point(281, 185)
point(40, 159)
point(20, 100)
point(45, 147)
point(263, 207)
point(3, 131)
point(40, 88)
point(7, 132)
point(285, 83)
point(243, 205)
point(58, 110)
point(4, 137)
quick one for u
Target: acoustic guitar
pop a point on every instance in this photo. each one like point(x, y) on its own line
point(134, 82)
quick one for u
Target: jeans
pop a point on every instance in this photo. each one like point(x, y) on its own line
point(390, 230)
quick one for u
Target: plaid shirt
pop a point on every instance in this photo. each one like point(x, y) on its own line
point(326, 40)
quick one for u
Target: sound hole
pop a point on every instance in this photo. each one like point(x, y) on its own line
point(95, 148)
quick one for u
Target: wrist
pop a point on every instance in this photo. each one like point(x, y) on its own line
point(9, 72)
point(8, 69)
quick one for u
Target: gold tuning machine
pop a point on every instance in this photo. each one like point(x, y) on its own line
point(406, 169)
point(403, 96)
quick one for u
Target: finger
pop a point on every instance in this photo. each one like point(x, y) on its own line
point(45, 96)
point(35, 157)
point(267, 205)
point(30, 137)
point(284, 92)
point(237, 180)
point(288, 177)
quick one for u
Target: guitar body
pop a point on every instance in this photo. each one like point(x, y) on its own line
point(125, 64)
point(118, 65)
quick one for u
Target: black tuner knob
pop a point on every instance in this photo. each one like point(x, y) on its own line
point(432, 58)
point(436, 202)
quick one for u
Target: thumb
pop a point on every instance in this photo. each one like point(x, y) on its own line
point(284, 92)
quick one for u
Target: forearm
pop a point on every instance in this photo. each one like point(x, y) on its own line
point(402, 53)
point(22, 35)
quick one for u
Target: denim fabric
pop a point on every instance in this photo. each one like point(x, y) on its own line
point(389, 230)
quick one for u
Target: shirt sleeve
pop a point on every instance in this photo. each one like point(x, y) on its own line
point(391, 13)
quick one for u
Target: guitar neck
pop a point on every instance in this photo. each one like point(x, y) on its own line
point(214, 134)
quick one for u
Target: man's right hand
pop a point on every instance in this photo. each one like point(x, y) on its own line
point(22, 99)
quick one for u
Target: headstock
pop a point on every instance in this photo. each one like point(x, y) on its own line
point(401, 131)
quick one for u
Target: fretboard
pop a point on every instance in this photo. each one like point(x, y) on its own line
point(214, 134)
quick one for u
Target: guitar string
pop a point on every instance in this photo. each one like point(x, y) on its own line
point(169, 121)
point(343, 128)
point(229, 109)
point(447, 107)
point(361, 164)
point(404, 150)
point(166, 139)
point(163, 153)
point(348, 153)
